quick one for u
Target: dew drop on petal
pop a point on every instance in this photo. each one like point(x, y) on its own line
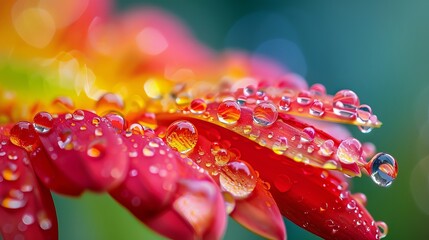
point(383, 169)
point(331, 165)
point(238, 178)
point(229, 202)
point(349, 151)
point(351, 205)
point(97, 148)
point(363, 113)
point(65, 140)
point(28, 219)
point(44, 222)
point(265, 114)
point(283, 183)
point(318, 89)
point(307, 135)
point(327, 148)
point(43, 122)
point(222, 157)
point(181, 135)
point(229, 112)
point(304, 98)
point(14, 200)
point(317, 109)
point(345, 103)
point(382, 226)
point(116, 119)
point(284, 103)
point(148, 151)
point(78, 115)
point(198, 106)
point(24, 135)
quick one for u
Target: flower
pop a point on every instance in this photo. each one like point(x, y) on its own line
point(134, 107)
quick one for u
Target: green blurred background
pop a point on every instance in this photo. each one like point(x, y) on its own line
point(377, 48)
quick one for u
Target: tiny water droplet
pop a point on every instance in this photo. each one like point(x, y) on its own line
point(222, 157)
point(351, 205)
point(198, 106)
point(148, 151)
point(345, 103)
point(43, 122)
point(78, 115)
point(28, 219)
point(182, 135)
point(383, 169)
point(238, 178)
point(95, 121)
point(97, 148)
point(349, 151)
point(228, 112)
point(265, 114)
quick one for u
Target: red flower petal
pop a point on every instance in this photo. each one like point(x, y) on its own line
point(86, 149)
point(164, 188)
point(27, 210)
point(260, 214)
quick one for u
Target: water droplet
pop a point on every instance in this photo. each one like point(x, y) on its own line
point(97, 148)
point(307, 135)
point(284, 103)
point(249, 91)
point(148, 151)
point(14, 200)
point(247, 129)
point(383, 169)
point(327, 148)
point(78, 115)
point(345, 103)
point(318, 89)
point(349, 151)
point(98, 132)
point(229, 112)
point(280, 146)
point(43, 122)
point(283, 183)
point(27, 219)
point(331, 165)
point(10, 172)
point(229, 202)
point(23, 135)
point(351, 205)
point(198, 106)
point(95, 121)
point(265, 114)
point(222, 157)
point(44, 222)
point(136, 129)
point(116, 120)
point(304, 98)
point(183, 101)
point(382, 226)
point(363, 113)
point(238, 178)
point(182, 135)
point(109, 102)
point(317, 109)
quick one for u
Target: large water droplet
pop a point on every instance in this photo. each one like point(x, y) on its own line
point(349, 151)
point(345, 103)
point(23, 135)
point(222, 157)
point(327, 148)
point(78, 115)
point(198, 106)
point(383, 169)
point(43, 122)
point(229, 112)
point(317, 109)
point(382, 226)
point(284, 103)
point(182, 135)
point(304, 98)
point(265, 114)
point(318, 89)
point(116, 119)
point(307, 135)
point(238, 178)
